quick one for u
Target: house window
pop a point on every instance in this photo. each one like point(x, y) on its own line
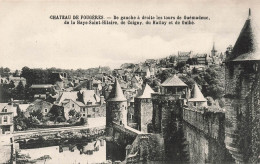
point(73, 105)
point(5, 119)
point(93, 109)
point(83, 115)
point(45, 110)
point(84, 109)
point(194, 103)
point(5, 110)
point(7, 129)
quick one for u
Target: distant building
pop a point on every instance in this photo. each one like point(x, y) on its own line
point(7, 113)
point(213, 51)
point(201, 59)
point(16, 80)
point(41, 91)
point(184, 56)
point(137, 81)
point(60, 80)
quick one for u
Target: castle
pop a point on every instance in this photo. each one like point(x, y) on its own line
point(234, 130)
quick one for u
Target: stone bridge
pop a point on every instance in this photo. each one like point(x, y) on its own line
point(123, 135)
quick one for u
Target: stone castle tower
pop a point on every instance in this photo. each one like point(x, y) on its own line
point(144, 108)
point(166, 105)
point(116, 107)
point(242, 89)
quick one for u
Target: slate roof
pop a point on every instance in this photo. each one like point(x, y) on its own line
point(116, 93)
point(247, 45)
point(41, 86)
point(9, 108)
point(197, 95)
point(173, 81)
point(146, 92)
point(87, 96)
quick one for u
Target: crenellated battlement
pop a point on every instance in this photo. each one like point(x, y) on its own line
point(210, 123)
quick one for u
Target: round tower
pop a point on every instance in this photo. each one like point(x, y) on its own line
point(116, 109)
point(241, 94)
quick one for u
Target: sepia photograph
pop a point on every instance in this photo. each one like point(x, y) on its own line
point(120, 81)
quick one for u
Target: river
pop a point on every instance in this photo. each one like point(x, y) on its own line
point(98, 151)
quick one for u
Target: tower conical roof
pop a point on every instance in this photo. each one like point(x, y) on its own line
point(173, 82)
point(247, 46)
point(197, 95)
point(116, 93)
point(146, 92)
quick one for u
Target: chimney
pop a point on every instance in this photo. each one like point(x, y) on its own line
point(102, 100)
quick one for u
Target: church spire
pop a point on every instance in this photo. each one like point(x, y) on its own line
point(213, 48)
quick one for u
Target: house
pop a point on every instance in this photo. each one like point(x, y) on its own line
point(144, 71)
point(184, 56)
point(201, 59)
point(16, 80)
point(41, 91)
point(59, 79)
point(38, 105)
point(136, 82)
point(7, 113)
point(86, 102)
point(3, 80)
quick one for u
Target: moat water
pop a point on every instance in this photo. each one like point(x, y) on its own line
point(98, 151)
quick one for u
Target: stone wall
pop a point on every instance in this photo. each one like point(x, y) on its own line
point(209, 123)
point(143, 113)
point(203, 149)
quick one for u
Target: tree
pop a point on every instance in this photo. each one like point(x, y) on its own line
point(165, 74)
point(20, 91)
point(11, 84)
point(16, 73)
point(181, 66)
point(77, 115)
point(37, 113)
point(72, 112)
point(187, 80)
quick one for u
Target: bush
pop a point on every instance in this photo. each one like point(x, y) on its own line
point(34, 120)
point(83, 121)
point(72, 112)
point(61, 119)
point(72, 120)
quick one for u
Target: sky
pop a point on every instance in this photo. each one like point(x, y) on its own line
point(30, 38)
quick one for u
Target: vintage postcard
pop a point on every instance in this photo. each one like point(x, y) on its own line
point(110, 81)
